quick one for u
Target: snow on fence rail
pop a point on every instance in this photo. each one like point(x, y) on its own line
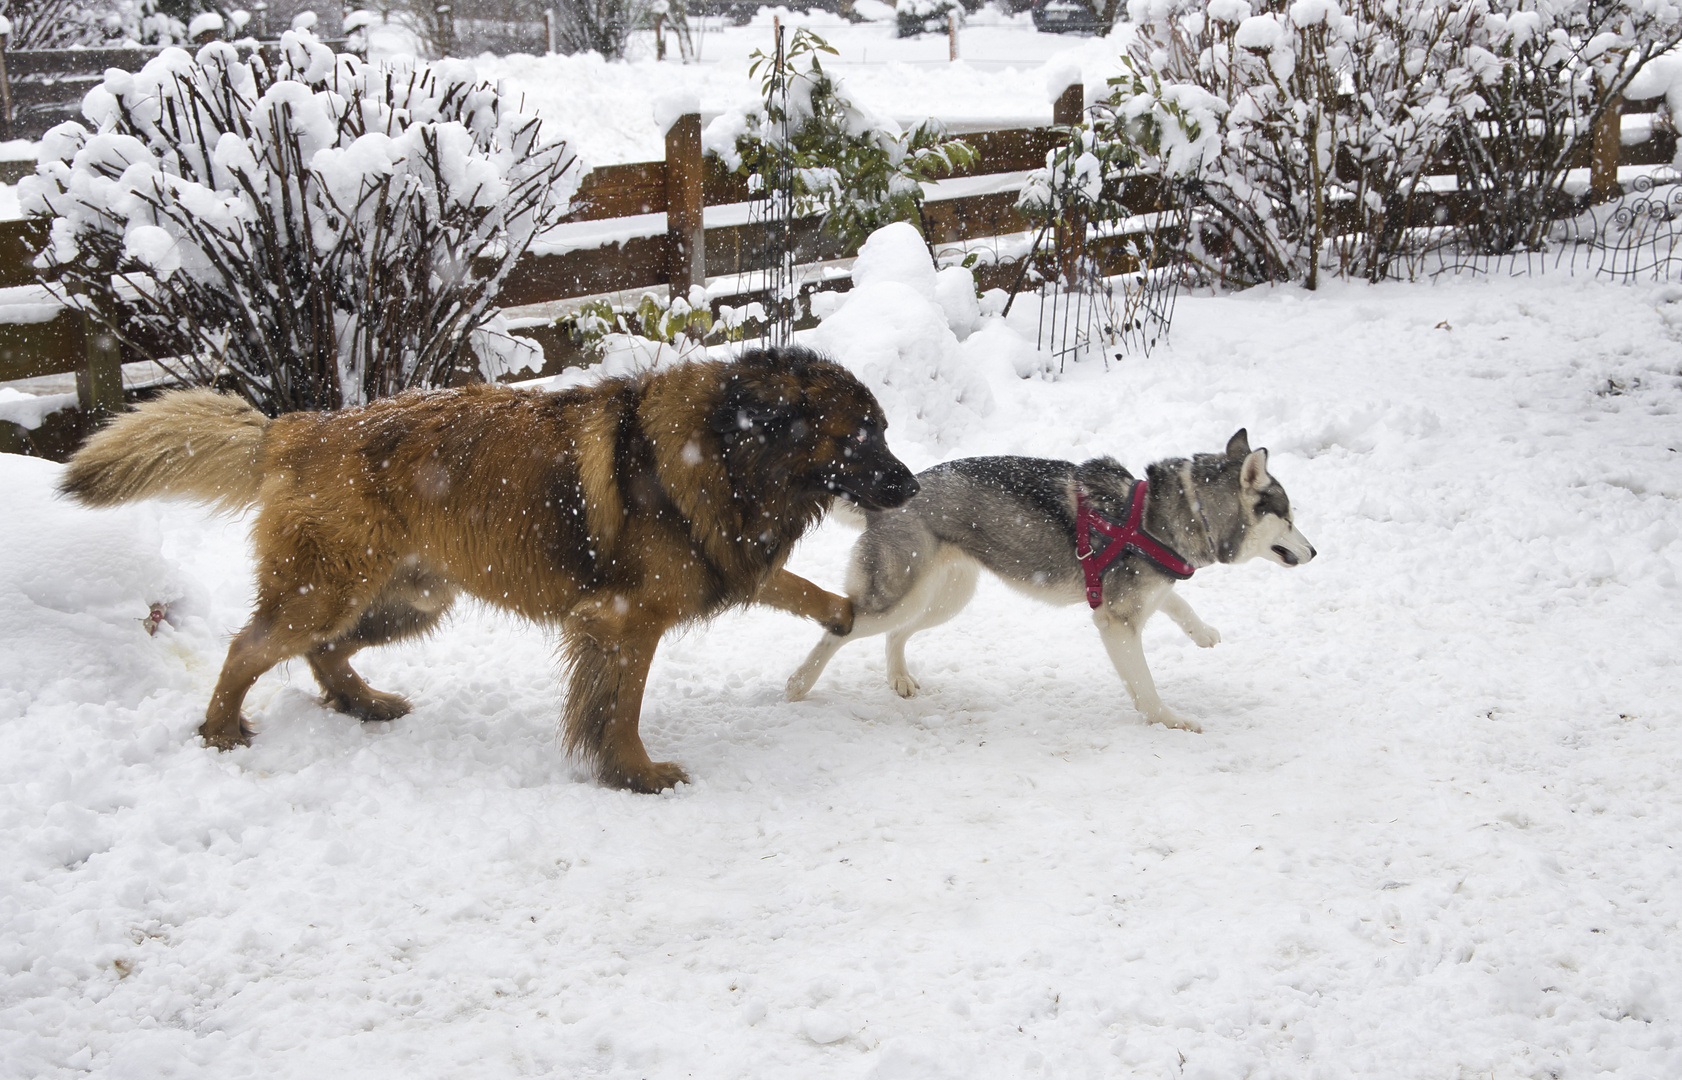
point(644, 225)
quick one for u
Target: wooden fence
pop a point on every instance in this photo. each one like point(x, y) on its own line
point(685, 252)
point(682, 254)
point(40, 88)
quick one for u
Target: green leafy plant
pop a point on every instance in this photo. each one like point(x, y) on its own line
point(683, 324)
point(858, 170)
point(1093, 187)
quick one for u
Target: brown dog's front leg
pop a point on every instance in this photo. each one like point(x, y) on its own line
point(608, 660)
point(790, 592)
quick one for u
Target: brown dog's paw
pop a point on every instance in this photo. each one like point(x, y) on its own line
point(374, 708)
point(651, 780)
point(223, 739)
point(840, 621)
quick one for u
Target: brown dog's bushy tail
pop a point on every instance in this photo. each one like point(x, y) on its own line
point(193, 443)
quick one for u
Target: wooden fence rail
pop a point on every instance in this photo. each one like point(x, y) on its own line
point(682, 251)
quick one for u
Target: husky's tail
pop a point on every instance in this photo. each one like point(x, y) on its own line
point(193, 443)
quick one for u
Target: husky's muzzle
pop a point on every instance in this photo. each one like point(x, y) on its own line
point(1293, 548)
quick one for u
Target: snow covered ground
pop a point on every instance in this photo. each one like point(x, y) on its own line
point(1429, 830)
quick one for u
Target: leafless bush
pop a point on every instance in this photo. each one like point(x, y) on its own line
point(313, 236)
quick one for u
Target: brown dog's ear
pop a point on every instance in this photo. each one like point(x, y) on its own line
point(1253, 476)
point(1239, 445)
point(752, 406)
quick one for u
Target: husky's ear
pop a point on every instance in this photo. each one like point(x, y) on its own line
point(1254, 473)
point(1239, 445)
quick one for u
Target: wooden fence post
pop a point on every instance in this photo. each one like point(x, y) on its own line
point(1068, 110)
point(685, 229)
point(5, 90)
point(99, 382)
point(1069, 106)
point(1608, 145)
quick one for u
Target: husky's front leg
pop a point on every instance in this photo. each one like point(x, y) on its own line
point(1201, 633)
point(1127, 653)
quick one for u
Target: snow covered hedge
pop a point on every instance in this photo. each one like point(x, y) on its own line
point(1309, 124)
point(316, 235)
point(63, 24)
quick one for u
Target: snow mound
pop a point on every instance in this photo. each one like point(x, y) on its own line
point(75, 588)
point(893, 331)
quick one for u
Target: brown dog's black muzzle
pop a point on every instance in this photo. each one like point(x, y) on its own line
point(894, 490)
point(881, 482)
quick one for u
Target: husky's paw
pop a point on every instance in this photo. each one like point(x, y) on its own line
point(1205, 636)
point(799, 685)
point(1172, 719)
point(904, 685)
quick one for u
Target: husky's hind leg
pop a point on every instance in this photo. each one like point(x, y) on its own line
point(801, 682)
point(937, 593)
point(888, 563)
point(943, 593)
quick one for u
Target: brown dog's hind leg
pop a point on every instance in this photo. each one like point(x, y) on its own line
point(281, 628)
point(607, 657)
point(408, 608)
point(793, 593)
point(343, 689)
point(304, 599)
point(254, 651)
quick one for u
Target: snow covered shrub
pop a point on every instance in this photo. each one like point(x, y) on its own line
point(1304, 124)
point(1120, 231)
point(1545, 74)
point(915, 17)
point(316, 235)
point(1327, 117)
point(859, 170)
point(169, 22)
point(62, 24)
point(601, 26)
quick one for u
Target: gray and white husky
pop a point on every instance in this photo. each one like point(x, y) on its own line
point(1063, 532)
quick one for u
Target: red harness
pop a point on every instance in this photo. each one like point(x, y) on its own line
point(1128, 537)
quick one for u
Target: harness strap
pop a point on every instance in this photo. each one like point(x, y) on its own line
point(1123, 538)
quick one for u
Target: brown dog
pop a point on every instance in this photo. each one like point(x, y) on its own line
point(615, 512)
